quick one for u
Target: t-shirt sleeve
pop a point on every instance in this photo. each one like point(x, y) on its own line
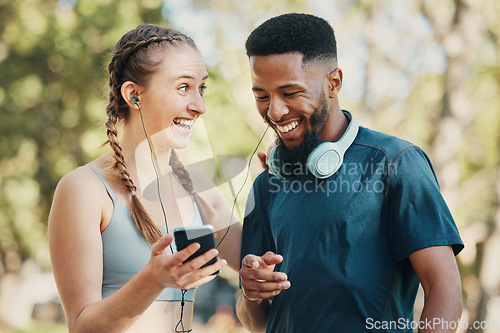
point(256, 237)
point(419, 216)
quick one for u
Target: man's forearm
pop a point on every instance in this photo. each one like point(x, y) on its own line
point(253, 314)
point(441, 312)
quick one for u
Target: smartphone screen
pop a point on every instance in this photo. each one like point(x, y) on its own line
point(204, 235)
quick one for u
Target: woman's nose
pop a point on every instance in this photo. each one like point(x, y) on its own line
point(197, 104)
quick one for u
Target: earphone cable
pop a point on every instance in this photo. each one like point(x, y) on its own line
point(183, 292)
point(244, 182)
point(181, 323)
point(157, 176)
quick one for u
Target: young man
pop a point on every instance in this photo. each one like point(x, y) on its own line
point(351, 220)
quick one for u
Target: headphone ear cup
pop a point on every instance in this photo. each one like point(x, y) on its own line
point(324, 160)
point(274, 163)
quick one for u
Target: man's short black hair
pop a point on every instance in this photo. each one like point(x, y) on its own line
point(312, 36)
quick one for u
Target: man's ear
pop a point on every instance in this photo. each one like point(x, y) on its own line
point(129, 90)
point(335, 82)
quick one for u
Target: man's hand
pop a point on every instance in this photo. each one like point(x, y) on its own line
point(258, 279)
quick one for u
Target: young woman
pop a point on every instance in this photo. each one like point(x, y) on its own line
point(115, 268)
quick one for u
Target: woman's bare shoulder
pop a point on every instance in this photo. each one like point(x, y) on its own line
point(85, 180)
point(79, 181)
point(82, 188)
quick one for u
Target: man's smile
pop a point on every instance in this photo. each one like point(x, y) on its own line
point(288, 127)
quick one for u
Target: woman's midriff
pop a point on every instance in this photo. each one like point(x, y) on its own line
point(162, 317)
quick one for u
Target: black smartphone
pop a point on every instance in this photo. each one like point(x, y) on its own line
point(203, 234)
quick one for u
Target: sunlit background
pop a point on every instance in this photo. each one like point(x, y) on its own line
point(423, 70)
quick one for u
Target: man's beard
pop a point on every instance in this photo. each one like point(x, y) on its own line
point(295, 157)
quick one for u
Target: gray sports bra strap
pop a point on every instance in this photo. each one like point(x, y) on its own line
point(197, 216)
point(108, 189)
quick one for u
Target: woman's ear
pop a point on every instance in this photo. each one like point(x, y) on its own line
point(335, 82)
point(128, 91)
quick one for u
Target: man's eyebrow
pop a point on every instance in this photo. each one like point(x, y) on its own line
point(291, 85)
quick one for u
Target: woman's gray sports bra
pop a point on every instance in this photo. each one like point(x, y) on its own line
point(126, 252)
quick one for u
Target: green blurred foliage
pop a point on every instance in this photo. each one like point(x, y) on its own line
point(53, 94)
point(51, 79)
point(43, 327)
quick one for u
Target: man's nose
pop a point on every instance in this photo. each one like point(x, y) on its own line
point(277, 109)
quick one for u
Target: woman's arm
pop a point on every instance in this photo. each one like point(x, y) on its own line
point(76, 254)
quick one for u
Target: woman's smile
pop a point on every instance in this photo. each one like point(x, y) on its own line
point(184, 124)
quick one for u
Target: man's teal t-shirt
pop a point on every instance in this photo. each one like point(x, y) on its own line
point(346, 239)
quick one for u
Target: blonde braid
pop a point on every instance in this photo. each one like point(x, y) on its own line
point(141, 218)
point(206, 211)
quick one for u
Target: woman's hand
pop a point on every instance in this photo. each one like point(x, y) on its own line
point(169, 270)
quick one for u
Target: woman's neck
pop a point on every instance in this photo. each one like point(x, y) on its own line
point(143, 159)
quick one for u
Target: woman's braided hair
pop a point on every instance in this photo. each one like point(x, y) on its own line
point(133, 59)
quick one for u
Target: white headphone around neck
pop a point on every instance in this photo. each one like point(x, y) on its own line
point(325, 159)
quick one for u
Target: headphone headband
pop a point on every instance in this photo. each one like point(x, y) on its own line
point(350, 133)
